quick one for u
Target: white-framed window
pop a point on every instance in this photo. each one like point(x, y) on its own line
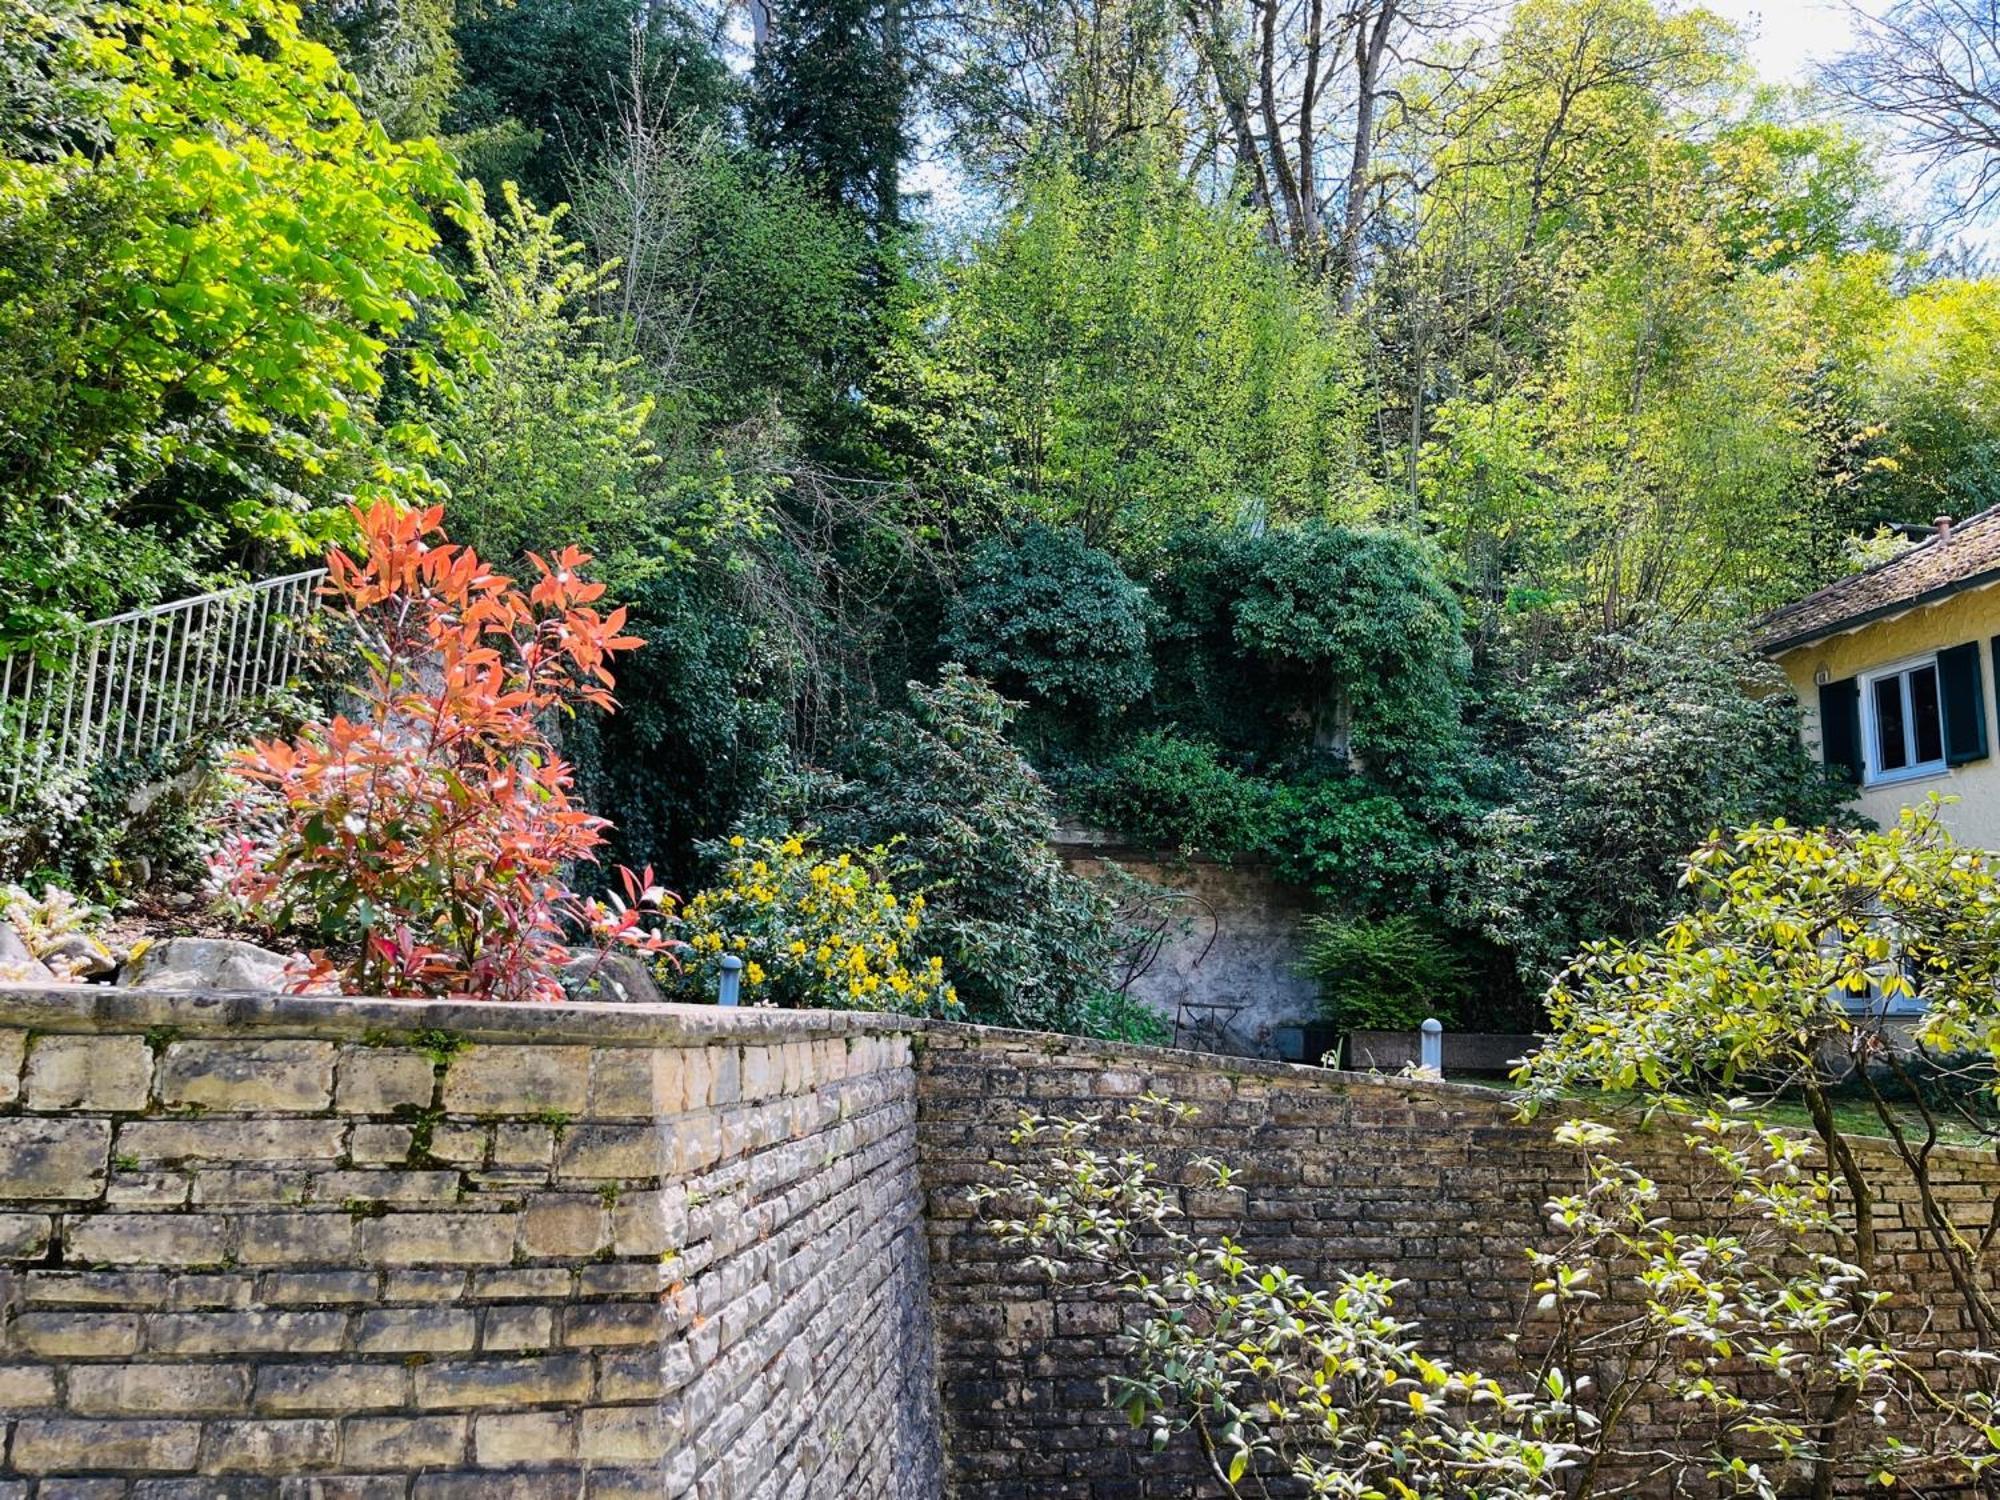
point(1902, 722)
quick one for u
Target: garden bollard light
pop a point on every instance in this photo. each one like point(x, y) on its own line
point(732, 979)
point(1431, 1047)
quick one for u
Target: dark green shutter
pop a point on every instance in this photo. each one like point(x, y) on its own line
point(1840, 726)
point(1962, 696)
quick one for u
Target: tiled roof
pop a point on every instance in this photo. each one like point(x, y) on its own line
point(1966, 556)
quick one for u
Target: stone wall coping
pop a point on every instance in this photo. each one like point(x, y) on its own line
point(96, 1007)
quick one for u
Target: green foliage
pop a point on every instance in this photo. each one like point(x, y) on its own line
point(1357, 628)
point(813, 930)
point(543, 438)
point(401, 53)
point(828, 96)
point(1165, 792)
point(207, 251)
point(546, 81)
point(1027, 942)
point(1354, 844)
point(1045, 617)
point(1388, 974)
point(1121, 357)
point(1221, 1342)
point(1633, 751)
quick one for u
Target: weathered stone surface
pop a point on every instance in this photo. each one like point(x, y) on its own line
point(17, 964)
point(89, 1072)
point(518, 1081)
point(406, 1443)
point(193, 963)
point(233, 1142)
point(55, 1159)
point(336, 1389)
point(172, 1240)
point(25, 1236)
point(155, 1390)
point(240, 1077)
point(610, 978)
point(382, 1080)
point(415, 1330)
point(403, 1239)
point(270, 1446)
point(78, 955)
point(61, 1445)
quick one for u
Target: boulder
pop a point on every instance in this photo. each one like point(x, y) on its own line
point(17, 964)
point(613, 978)
point(79, 956)
point(194, 963)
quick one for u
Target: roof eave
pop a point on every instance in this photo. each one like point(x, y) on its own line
point(1783, 644)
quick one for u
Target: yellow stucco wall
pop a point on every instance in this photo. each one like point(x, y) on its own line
point(1971, 616)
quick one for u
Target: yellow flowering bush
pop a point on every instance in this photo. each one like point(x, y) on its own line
point(813, 930)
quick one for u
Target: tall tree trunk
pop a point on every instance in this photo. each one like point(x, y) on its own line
point(1371, 43)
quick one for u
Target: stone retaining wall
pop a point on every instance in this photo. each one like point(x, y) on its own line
point(260, 1248)
point(281, 1249)
point(1438, 1184)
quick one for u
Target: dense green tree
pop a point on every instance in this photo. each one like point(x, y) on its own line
point(828, 97)
point(1046, 618)
point(1120, 357)
point(547, 81)
point(206, 253)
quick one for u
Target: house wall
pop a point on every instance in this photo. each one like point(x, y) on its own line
point(1974, 615)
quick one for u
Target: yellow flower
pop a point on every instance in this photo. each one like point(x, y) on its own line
point(736, 842)
point(754, 973)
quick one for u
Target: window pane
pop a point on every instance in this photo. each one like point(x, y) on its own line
point(1888, 693)
point(1924, 716)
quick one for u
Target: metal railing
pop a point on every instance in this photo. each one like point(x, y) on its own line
point(147, 680)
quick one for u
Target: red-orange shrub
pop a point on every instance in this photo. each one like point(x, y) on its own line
point(429, 833)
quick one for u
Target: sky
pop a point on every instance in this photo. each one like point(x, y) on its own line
point(1787, 37)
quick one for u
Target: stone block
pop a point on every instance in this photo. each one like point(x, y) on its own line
point(240, 1077)
point(547, 1484)
point(233, 1142)
point(176, 1241)
point(77, 1335)
point(597, 1153)
point(261, 1331)
point(81, 1489)
point(518, 1080)
point(13, 1047)
point(403, 1442)
point(634, 1082)
point(437, 1188)
point(425, 1286)
point(596, 1324)
point(65, 1445)
point(25, 1387)
point(624, 1434)
point(461, 1145)
point(382, 1080)
point(270, 1447)
point(337, 1389)
point(89, 1072)
point(505, 1440)
point(25, 1236)
point(56, 1160)
point(345, 1487)
point(512, 1330)
point(415, 1330)
point(259, 1187)
point(523, 1146)
point(564, 1226)
point(484, 1384)
point(164, 1390)
point(309, 1288)
point(295, 1239)
point(147, 1189)
point(439, 1239)
point(379, 1145)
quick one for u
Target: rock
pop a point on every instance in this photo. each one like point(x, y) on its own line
point(619, 978)
point(17, 964)
point(192, 963)
point(79, 956)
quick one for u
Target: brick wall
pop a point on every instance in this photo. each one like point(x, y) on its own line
point(1437, 1183)
point(258, 1248)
